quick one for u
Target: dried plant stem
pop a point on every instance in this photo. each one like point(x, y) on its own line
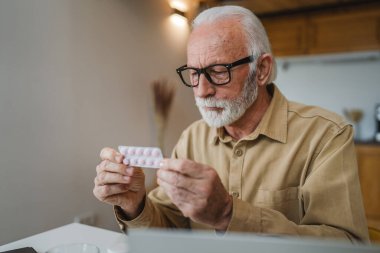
point(163, 94)
point(160, 126)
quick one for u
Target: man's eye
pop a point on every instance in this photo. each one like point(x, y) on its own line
point(218, 71)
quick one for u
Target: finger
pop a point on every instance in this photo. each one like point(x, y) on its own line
point(104, 178)
point(191, 210)
point(176, 194)
point(136, 178)
point(186, 202)
point(111, 155)
point(136, 185)
point(109, 166)
point(116, 200)
point(178, 180)
point(134, 172)
point(186, 167)
point(104, 191)
point(191, 205)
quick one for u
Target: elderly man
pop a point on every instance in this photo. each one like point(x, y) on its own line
point(256, 162)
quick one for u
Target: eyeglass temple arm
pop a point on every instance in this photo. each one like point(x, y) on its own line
point(242, 61)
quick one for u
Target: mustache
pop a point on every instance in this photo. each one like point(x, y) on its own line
point(210, 102)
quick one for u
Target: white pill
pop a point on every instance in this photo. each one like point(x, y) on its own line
point(150, 162)
point(139, 151)
point(147, 151)
point(134, 161)
point(131, 151)
point(126, 161)
point(141, 161)
point(156, 152)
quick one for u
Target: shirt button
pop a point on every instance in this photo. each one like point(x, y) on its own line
point(238, 152)
point(235, 194)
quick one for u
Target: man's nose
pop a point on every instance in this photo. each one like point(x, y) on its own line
point(204, 88)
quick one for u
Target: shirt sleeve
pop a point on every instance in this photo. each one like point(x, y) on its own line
point(330, 199)
point(156, 213)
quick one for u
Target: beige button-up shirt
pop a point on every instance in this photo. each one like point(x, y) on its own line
point(296, 174)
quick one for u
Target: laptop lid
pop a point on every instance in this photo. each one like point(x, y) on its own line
point(175, 241)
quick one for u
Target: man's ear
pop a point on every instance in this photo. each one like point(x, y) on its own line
point(264, 69)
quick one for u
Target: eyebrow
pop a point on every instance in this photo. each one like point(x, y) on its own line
point(205, 66)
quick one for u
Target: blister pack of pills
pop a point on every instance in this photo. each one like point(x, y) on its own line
point(146, 157)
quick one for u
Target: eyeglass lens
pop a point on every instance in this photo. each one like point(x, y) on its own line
point(218, 75)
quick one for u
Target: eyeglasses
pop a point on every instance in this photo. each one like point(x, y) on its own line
point(217, 74)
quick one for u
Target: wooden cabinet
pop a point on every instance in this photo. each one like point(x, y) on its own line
point(346, 31)
point(325, 32)
point(369, 174)
point(287, 37)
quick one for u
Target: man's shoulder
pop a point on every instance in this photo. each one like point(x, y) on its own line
point(303, 111)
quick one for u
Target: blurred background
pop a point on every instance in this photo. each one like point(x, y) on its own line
point(76, 76)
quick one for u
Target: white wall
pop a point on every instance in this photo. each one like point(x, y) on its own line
point(335, 82)
point(74, 77)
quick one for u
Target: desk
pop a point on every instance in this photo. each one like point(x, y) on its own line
point(71, 233)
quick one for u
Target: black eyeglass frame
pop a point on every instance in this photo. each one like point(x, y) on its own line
point(228, 66)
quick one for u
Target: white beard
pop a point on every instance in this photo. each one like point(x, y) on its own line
point(231, 109)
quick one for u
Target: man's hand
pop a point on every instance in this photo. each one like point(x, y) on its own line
point(197, 191)
point(118, 184)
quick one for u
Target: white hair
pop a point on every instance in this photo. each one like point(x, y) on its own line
point(257, 39)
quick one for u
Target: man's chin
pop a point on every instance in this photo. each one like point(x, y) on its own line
point(214, 119)
point(216, 122)
point(213, 123)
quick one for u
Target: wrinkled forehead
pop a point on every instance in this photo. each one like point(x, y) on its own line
point(219, 41)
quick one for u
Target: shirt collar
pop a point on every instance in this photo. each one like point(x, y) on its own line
point(274, 123)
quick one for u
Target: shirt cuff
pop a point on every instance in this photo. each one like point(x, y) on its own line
point(142, 220)
point(245, 217)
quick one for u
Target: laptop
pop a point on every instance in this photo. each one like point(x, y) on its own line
point(179, 241)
